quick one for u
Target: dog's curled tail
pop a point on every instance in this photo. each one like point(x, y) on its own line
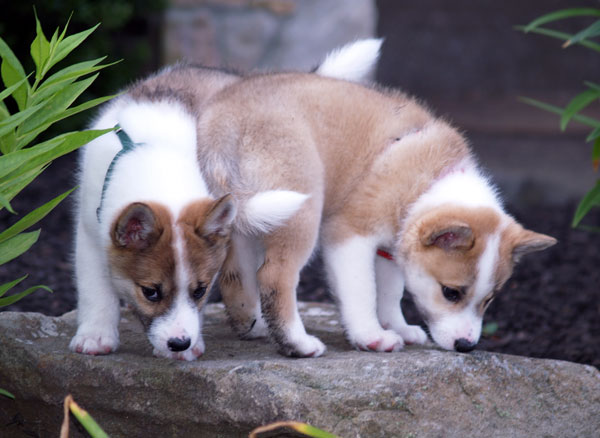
point(265, 211)
point(352, 62)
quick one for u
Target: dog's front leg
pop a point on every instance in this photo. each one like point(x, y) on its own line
point(390, 288)
point(98, 306)
point(350, 268)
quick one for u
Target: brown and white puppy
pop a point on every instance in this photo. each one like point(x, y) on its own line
point(382, 175)
point(149, 230)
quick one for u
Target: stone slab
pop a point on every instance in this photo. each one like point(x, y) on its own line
point(238, 385)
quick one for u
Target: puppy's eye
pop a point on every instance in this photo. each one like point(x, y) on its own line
point(199, 292)
point(452, 295)
point(153, 294)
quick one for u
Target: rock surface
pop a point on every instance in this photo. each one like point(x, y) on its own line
point(238, 385)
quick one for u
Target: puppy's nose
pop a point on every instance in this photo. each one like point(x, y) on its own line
point(464, 345)
point(178, 344)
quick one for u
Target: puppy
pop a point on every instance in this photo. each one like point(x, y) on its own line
point(396, 200)
point(148, 229)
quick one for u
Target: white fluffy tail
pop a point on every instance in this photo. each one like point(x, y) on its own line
point(352, 62)
point(270, 209)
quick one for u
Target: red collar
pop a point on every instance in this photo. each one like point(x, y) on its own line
point(385, 254)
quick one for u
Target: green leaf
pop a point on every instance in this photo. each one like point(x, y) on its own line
point(576, 104)
point(561, 15)
point(589, 32)
point(596, 154)
point(6, 393)
point(12, 72)
point(562, 36)
point(17, 119)
point(589, 121)
point(33, 217)
point(593, 135)
point(7, 301)
point(59, 103)
point(24, 139)
point(40, 49)
point(67, 45)
point(5, 203)
point(20, 162)
point(592, 85)
point(20, 159)
point(589, 201)
point(8, 286)
point(14, 247)
point(11, 188)
point(66, 76)
point(10, 90)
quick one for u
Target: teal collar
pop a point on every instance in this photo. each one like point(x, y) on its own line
point(127, 145)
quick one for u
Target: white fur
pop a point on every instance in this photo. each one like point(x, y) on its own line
point(462, 186)
point(352, 62)
point(270, 209)
point(164, 169)
point(350, 272)
point(390, 289)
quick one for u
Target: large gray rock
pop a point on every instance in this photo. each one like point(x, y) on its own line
point(238, 385)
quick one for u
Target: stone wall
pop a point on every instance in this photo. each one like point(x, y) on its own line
point(263, 34)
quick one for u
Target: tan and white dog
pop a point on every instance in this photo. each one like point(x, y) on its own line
point(382, 174)
point(148, 229)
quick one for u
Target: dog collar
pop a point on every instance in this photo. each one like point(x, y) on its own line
point(127, 145)
point(385, 254)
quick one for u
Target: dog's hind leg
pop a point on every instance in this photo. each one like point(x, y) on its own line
point(390, 288)
point(239, 288)
point(286, 251)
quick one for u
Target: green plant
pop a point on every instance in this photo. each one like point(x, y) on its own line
point(83, 417)
point(285, 427)
point(572, 111)
point(40, 101)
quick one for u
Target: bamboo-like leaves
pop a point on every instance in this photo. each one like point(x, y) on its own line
point(40, 104)
point(573, 109)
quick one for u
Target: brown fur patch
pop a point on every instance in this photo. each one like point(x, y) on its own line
point(150, 266)
point(204, 251)
point(455, 268)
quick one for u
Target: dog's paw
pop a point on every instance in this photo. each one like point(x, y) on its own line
point(378, 340)
point(188, 355)
point(412, 334)
point(305, 346)
point(94, 342)
point(257, 330)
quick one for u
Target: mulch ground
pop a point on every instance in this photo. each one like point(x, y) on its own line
point(550, 308)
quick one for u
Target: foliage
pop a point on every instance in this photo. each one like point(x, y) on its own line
point(83, 417)
point(583, 100)
point(300, 429)
point(130, 31)
point(41, 101)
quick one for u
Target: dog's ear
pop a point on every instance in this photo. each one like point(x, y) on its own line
point(219, 218)
point(528, 241)
point(136, 227)
point(455, 236)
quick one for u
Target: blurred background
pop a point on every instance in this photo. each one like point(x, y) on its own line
point(464, 58)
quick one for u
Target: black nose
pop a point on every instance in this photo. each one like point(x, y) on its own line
point(178, 344)
point(464, 346)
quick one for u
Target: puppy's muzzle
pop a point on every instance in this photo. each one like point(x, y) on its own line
point(179, 344)
point(463, 345)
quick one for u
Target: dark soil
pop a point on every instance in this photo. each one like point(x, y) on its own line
point(549, 309)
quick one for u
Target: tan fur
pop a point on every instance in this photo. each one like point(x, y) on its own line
point(363, 155)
